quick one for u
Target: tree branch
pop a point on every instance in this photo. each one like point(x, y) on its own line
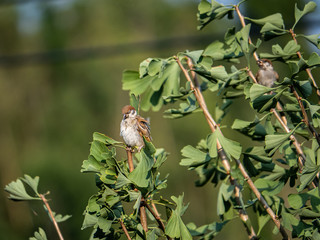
point(222, 155)
point(45, 201)
point(156, 215)
point(282, 120)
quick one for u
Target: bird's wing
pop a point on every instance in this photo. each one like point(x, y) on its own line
point(144, 128)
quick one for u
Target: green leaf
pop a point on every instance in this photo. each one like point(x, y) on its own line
point(215, 50)
point(98, 150)
point(263, 218)
point(131, 81)
point(266, 102)
point(57, 217)
point(314, 39)
point(122, 181)
point(314, 60)
point(270, 31)
point(134, 101)
point(91, 165)
point(273, 141)
point(289, 51)
point(258, 90)
point(298, 14)
point(40, 235)
point(274, 19)
point(304, 87)
point(193, 156)
point(104, 224)
point(141, 174)
point(90, 220)
point(289, 220)
point(208, 12)
point(219, 73)
point(268, 187)
point(225, 192)
point(32, 182)
point(231, 148)
point(206, 231)
point(175, 227)
point(186, 108)
point(104, 139)
point(297, 201)
point(18, 192)
point(313, 108)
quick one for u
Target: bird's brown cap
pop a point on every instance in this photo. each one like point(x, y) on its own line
point(261, 61)
point(127, 109)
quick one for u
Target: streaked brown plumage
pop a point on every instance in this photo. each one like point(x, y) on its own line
point(133, 128)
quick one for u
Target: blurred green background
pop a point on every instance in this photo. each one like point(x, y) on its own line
point(61, 63)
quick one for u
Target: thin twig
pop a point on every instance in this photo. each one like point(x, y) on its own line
point(224, 159)
point(243, 23)
point(125, 230)
point(156, 216)
point(308, 70)
point(45, 201)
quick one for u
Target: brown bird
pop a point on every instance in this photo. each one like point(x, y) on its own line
point(266, 76)
point(133, 128)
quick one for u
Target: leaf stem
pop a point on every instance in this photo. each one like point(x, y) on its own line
point(45, 201)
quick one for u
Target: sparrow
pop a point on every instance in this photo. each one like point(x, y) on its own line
point(133, 128)
point(266, 76)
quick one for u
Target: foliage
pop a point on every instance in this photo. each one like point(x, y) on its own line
point(280, 173)
point(18, 192)
point(120, 189)
point(285, 115)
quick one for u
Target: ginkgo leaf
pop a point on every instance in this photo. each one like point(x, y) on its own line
point(298, 14)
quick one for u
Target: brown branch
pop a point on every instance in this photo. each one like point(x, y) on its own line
point(224, 159)
point(308, 70)
point(156, 216)
point(143, 215)
point(262, 200)
point(125, 230)
point(243, 23)
point(45, 201)
point(130, 161)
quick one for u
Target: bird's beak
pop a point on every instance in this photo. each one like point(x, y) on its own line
point(125, 116)
point(259, 62)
